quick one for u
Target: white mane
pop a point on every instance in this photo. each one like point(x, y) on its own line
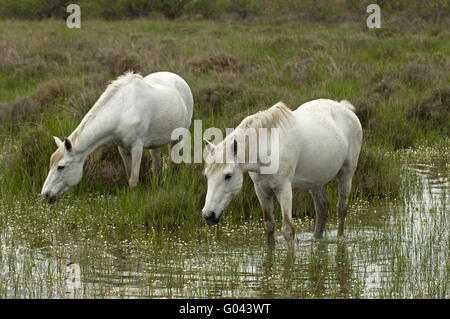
point(112, 88)
point(279, 115)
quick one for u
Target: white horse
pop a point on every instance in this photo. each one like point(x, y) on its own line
point(135, 113)
point(319, 141)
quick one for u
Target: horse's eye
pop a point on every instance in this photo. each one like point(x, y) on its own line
point(228, 176)
point(60, 168)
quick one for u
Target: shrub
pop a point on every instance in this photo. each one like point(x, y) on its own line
point(173, 8)
point(435, 108)
point(325, 10)
point(218, 63)
point(33, 9)
point(28, 108)
point(213, 96)
point(207, 8)
point(317, 10)
point(244, 8)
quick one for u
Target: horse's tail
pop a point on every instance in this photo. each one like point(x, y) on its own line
point(348, 105)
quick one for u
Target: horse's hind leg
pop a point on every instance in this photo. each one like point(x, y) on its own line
point(169, 151)
point(170, 147)
point(126, 157)
point(321, 209)
point(156, 159)
point(344, 181)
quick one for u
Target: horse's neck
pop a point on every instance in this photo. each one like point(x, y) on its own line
point(247, 165)
point(251, 167)
point(262, 154)
point(95, 133)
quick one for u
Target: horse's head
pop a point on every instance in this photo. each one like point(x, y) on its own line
point(66, 170)
point(224, 179)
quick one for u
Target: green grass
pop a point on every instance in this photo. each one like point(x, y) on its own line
point(51, 78)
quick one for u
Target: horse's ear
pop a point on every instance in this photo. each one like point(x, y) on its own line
point(57, 141)
point(209, 146)
point(67, 144)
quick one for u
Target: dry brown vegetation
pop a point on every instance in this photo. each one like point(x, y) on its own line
point(213, 96)
point(435, 109)
point(218, 63)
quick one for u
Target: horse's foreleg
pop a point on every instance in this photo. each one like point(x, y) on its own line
point(156, 159)
point(266, 201)
point(284, 196)
point(136, 156)
point(321, 208)
point(126, 157)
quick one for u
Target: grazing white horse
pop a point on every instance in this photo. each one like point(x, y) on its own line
point(135, 113)
point(319, 141)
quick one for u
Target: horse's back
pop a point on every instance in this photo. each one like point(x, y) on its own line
point(151, 108)
point(173, 81)
point(323, 112)
point(328, 135)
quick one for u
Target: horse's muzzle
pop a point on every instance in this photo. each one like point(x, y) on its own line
point(50, 199)
point(211, 218)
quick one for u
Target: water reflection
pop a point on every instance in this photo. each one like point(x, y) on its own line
point(343, 270)
point(73, 281)
point(267, 272)
point(380, 256)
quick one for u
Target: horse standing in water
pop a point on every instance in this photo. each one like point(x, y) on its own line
point(319, 141)
point(135, 113)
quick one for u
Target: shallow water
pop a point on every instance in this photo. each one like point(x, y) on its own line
point(392, 249)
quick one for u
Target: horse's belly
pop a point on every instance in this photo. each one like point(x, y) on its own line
point(320, 173)
point(159, 141)
point(160, 132)
point(320, 162)
point(152, 133)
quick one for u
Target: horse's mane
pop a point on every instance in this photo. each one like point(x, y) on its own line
point(278, 116)
point(112, 88)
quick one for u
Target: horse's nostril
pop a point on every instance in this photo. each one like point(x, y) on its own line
point(209, 216)
point(50, 199)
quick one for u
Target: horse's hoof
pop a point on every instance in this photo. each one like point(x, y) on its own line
point(271, 240)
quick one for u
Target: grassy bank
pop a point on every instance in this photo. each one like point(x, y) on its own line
point(50, 77)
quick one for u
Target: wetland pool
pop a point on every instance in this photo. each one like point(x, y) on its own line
point(393, 248)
